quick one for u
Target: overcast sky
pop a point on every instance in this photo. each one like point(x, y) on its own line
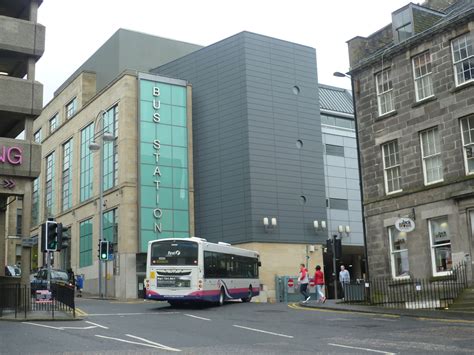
point(76, 29)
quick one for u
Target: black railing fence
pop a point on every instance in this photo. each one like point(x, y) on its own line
point(17, 300)
point(410, 293)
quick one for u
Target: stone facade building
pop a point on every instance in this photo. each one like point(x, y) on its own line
point(413, 83)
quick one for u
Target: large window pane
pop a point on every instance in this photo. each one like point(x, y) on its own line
point(422, 76)
point(467, 128)
point(440, 240)
point(384, 91)
point(391, 167)
point(463, 59)
point(431, 155)
point(399, 252)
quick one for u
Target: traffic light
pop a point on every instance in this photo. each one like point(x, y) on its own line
point(104, 250)
point(49, 236)
point(338, 248)
point(64, 236)
point(111, 251)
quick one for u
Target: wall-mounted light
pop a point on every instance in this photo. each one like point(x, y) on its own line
point(269, 223)
point(343, 231)
point(319, 225)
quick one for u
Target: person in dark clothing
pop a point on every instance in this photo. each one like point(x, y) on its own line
point(71, 277)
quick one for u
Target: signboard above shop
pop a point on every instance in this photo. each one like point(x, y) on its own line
point(405, 224)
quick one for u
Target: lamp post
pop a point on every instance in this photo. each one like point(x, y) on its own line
point(94, 147)
point(359, 164)
point(337, 251)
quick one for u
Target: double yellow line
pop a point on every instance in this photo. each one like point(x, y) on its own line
point(80, 313)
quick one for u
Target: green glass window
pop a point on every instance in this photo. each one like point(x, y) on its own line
point(87, 167)
point(164, 191)
point(85, 243)
point(35, 203)
point(67, 175)
point(110, 151)
point(49, 200)
point(110, 226)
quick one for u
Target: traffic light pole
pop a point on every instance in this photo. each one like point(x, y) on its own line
point(101, 207)
point(334, 264)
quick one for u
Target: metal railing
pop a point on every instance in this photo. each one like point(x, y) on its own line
point(412, 293)
point(17, 300)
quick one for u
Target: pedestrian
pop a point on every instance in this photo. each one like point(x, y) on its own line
point(344, 278)
point(71, 278)
point(303, 281)
point(319, 281)
point(79, 285)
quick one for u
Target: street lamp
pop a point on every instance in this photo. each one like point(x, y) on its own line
point(94, 147)
point(336, 247)
point(359, 163)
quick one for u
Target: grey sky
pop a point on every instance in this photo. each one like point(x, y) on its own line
point(76, 29)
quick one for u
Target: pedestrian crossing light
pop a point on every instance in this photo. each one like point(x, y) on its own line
point(104, 250)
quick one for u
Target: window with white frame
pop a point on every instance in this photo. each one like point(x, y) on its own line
point(37, 136)
point(399, 253)
point(53, 123)
point(440, 241)
point(422, 76)
point(384, 91)
point(463, 59)
point(71, 108)
point(391, 166)
point(467, 129)
point(431, 155)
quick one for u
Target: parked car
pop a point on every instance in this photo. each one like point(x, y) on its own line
point(12, 270)
point(40, 281)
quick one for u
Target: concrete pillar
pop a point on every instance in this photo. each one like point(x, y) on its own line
point(25, 234)
point(31, 69)
point(3, 201)
point(33, 17)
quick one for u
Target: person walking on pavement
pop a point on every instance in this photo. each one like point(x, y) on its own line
point(71, 278)
point(319, 281)
point(303, 281)
point(344, 278)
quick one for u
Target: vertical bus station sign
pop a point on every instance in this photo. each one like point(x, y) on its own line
point(163, 159)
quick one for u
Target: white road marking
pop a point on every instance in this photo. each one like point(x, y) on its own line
point(42, 325)
point(63, 328)
point(386, 319)
point(153, 343)
point(190, 315)
point(263, 331)
point(354, 347)
point(97, 325)
point(129, 342)
point(128, 314)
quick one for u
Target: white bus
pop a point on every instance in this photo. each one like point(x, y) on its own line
point(193, 269)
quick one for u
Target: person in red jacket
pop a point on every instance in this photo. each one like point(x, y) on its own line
point(319, 281)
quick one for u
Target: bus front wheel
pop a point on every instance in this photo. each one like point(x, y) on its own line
point(221, 298)
point(249, 296)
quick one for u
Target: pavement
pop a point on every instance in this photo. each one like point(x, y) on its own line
point(442, 314)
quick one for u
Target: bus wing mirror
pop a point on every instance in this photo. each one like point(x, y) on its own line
point(259, 263)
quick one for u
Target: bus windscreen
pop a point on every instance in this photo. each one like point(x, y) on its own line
point(175, 252)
